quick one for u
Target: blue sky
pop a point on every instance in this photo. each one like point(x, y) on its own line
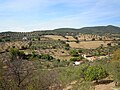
point(30, 15)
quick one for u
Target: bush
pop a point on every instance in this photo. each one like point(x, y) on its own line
point(46, 80)
point(74, 53)
point(95, 72)
point(77, 41)
point(115, 67)
point(75, 58)
point(46, 56)
point(1, 40)
point(80, 50)
point(109, 44)
point(115, 71)
point(93, 39)
point(7, 40)
point(67, 45)
point(67, 48)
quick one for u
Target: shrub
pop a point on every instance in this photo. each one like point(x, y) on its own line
point(1, 40)
point(93, 39)
point(115, 67)
point(95, 72)
point(74, 53)
point(67, 45)
point(115, 71)
point(75, 58)
point(46, 56)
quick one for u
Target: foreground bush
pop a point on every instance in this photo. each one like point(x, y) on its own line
point(94, 72)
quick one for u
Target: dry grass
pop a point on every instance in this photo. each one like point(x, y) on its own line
point(17, 44)
point(59, 54)
point(55, 37)
point(88, 44)
point(105, 86)
point(56, 53)
point(70, 38)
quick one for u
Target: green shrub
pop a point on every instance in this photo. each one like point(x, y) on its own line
point(75, 58)
point(74, 53)
point(95, 72)
point(46, 56)
point(115, 71)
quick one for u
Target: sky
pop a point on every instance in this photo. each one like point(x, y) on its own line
point(32, 15)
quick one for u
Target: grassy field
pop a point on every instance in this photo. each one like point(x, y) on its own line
point(55, 37)
point(70, 38)
point(17, 44)
point(88, 44)
point(55, 57)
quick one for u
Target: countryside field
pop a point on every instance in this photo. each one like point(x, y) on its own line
point(55, 37)
point(59, 44)
point(88, 44)
point(65, 61)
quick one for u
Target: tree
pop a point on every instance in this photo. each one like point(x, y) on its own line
point(77, 41)
point(17, 74)
point(93, 39)
point(95, 72)
point(30, 44)
point(3, 83)
point(67, 45)
point(38, 38)
point(109, 44)
point(100, 39)
point(76, 38)
point(118, 43)
point(19, 70)
point(1, 40)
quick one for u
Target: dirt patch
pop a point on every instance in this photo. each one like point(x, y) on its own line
point(109, 86)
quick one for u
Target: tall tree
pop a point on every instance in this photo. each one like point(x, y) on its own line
point(18, 70)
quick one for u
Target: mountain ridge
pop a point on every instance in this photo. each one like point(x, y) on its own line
point(86, 30)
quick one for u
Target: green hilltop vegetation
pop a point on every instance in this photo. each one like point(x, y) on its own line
point(101, 29)
point(93, 30)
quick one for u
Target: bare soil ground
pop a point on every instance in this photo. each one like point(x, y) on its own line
point(109, 86)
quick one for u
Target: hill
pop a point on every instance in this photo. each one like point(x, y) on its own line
point(92, 30)
point(101, 30)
